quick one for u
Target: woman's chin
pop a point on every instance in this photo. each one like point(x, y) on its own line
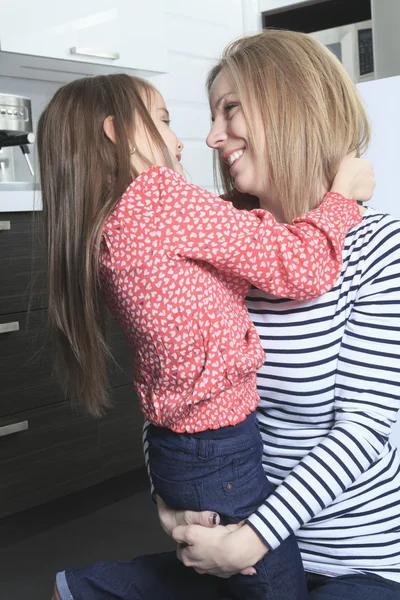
point(243, 188)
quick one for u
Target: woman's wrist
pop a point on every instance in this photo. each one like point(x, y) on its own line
point(244, 548)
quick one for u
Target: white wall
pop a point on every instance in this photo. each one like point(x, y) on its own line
point(382, 100)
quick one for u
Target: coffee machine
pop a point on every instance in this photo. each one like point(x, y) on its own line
point(16, 136)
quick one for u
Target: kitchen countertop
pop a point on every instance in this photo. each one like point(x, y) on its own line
point(20, 197)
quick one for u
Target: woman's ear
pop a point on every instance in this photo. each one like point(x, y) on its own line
point(108, 127)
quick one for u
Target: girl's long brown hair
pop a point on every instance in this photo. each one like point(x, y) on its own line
point(310, 112)
point(83, 174)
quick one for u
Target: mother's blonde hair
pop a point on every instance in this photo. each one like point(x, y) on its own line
point(310, 109)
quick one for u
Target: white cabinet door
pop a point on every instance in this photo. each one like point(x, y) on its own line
point(121, 33)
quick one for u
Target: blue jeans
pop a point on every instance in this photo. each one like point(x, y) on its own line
point(164, 577)
point(221, 470)
point(352, 587)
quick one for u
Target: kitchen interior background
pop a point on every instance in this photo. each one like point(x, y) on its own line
point(174, 43)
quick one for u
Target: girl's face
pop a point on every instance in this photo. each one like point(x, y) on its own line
point(230, 136)
point(160, 116)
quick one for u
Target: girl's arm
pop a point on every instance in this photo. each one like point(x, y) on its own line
point(299, 261)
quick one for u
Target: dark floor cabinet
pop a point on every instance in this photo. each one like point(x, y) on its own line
point(47, 449)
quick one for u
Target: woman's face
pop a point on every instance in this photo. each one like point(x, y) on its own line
point(230, 136)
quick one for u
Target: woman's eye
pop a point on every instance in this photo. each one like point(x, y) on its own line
point(167, 121)
point(229, 107)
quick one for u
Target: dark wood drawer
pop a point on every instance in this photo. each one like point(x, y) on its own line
point(21, 265)
point(23, 285)
point(62, 451)
point(26, 379)
point(22, 238)
point(120, 434)
point(57, 454)
point(26, 369)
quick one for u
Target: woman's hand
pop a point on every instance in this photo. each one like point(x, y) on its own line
point(170, 518)
point(221, 551)
point(355, 178)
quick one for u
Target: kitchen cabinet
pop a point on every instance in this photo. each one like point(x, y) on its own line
point(363, 33)
point(48, 449)
point(83, 37)
point(265, 5)
point(55, 451)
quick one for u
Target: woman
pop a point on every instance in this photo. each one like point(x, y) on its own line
point(328, 388)
point(325, 413)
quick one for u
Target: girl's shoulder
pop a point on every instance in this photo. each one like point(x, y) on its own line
point(152, 184)
point(144, 189)
point(152, 178)
point(143, 198)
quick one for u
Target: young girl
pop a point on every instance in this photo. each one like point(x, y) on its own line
point(173, 263)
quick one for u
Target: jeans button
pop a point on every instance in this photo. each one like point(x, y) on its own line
point(229, 486)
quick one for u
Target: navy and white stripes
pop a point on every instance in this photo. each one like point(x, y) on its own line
point(330, 394)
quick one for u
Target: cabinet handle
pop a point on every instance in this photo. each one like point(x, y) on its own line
point(95, 53)
point(5, 225)
point(8, 327)
point(13, 428)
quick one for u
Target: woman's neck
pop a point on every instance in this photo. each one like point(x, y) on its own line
point(274, 207)
point(272, 204)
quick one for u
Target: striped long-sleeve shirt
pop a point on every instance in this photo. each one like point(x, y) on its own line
point(330, 393)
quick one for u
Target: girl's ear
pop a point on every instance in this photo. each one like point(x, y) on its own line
point(108, 127)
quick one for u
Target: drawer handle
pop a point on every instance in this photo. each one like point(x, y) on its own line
point(5, 225)
point(95, 53)
point(8, 327)
point(13, 428)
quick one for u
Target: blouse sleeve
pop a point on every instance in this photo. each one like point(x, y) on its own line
point(299, 261)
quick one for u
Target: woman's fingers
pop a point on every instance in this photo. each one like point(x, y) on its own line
point(248, 571)
point(169, 516)
point(207, 518)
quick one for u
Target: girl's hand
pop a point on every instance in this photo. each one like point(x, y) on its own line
point(355, 178)
point(221, 551)
point(170, 518)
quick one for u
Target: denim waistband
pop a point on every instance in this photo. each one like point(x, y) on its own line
point(214, 434)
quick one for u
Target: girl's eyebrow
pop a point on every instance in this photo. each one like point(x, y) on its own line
point(164, 110)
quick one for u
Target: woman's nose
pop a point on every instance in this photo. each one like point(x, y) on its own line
point(216, 136)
